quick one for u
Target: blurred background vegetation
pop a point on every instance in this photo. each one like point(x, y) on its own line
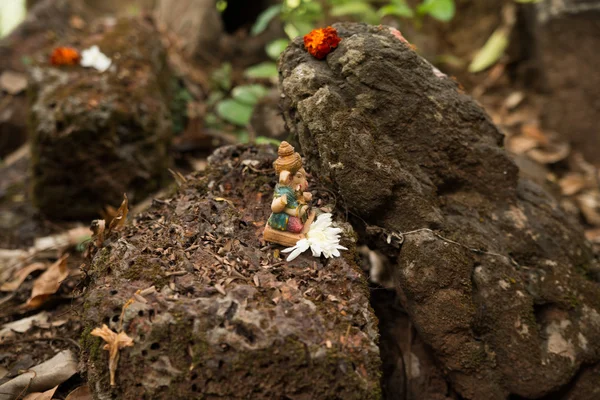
point(240, 78)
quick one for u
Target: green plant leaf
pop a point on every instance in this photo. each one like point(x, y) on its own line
point(361, 9)
point(212, 121)
point(442, 10)
point(249, 94)
point(399, 9)
point(267, 140)
point(298, 27)
point(214, 97)
point(243, 136)
point(491, 51)
point(234, 112)
point(263, 70)
point(290, 30)
point(264, 18)
point(221, 76)
point(276, 47)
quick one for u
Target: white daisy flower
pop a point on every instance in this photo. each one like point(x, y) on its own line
point(94, 58)
point(322, 238)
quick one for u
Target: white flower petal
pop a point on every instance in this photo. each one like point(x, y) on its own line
point(94, 58)
point(324, 239)
point(300, 247)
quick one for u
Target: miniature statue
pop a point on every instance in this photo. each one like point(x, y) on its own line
point(291, 216)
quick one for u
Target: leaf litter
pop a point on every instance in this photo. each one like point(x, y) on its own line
point(48, 283)
point(42, 377)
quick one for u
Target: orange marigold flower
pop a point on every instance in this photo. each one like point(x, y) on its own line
point(321, 42)
point(65, 56)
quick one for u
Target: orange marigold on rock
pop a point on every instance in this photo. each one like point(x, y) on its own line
point(65, 56)
point(321, 42)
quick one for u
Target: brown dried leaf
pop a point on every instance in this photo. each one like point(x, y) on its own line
point(220, 289)
point(114, 342)
point(593, 235)
point(47, 395)
point(20, 276)
point(62, 240)
point(225, 200)
point(589, 205)
point(550, 154)
point(77, 22)
point(571, 184)
point(534, 132)
point(42, 376)
point(24, 324)
point(119, 220)
point(98, 227)
point(81, 393)
point(513, 100)
point(48, 283)
point(521, 144)
point(179, 178)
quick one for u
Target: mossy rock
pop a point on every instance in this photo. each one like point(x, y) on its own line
point(228, 319)
point(95, 136)
point(489, 271)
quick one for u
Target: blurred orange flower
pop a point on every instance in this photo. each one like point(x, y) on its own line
point(65, 56)
point(321, 42)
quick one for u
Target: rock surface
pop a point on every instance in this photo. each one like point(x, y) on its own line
point(494, 277)
point(96, 135)
point(28, 38)
point(229, 319)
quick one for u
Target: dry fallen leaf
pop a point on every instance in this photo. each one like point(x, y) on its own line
point(41, 377)
point(13, 82)
point(571, 184)
point(63, 240)
point(513, 100)
point(81, 393)
point(589, 204)
point(179, 178)
point(77, 22)
point(550, 154)
point(97, 227)
point(119, 220)
point(23, 325)
point(225, 200)
point(114, 342)
point(534, 132)
point(48, 283)
point(521, 144)
point(47, 395)
point(20, 276)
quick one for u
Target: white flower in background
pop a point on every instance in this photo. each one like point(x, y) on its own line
point(94, 58)
point(322, 238)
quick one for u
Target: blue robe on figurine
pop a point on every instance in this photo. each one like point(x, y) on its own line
point(280, 220)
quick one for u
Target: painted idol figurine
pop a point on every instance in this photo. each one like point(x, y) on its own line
point(291, 216)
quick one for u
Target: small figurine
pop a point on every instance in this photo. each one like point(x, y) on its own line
point(291, 215)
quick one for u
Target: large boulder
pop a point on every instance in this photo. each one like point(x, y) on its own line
point(228, 319)
point(97, 135)
point(495, 278)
